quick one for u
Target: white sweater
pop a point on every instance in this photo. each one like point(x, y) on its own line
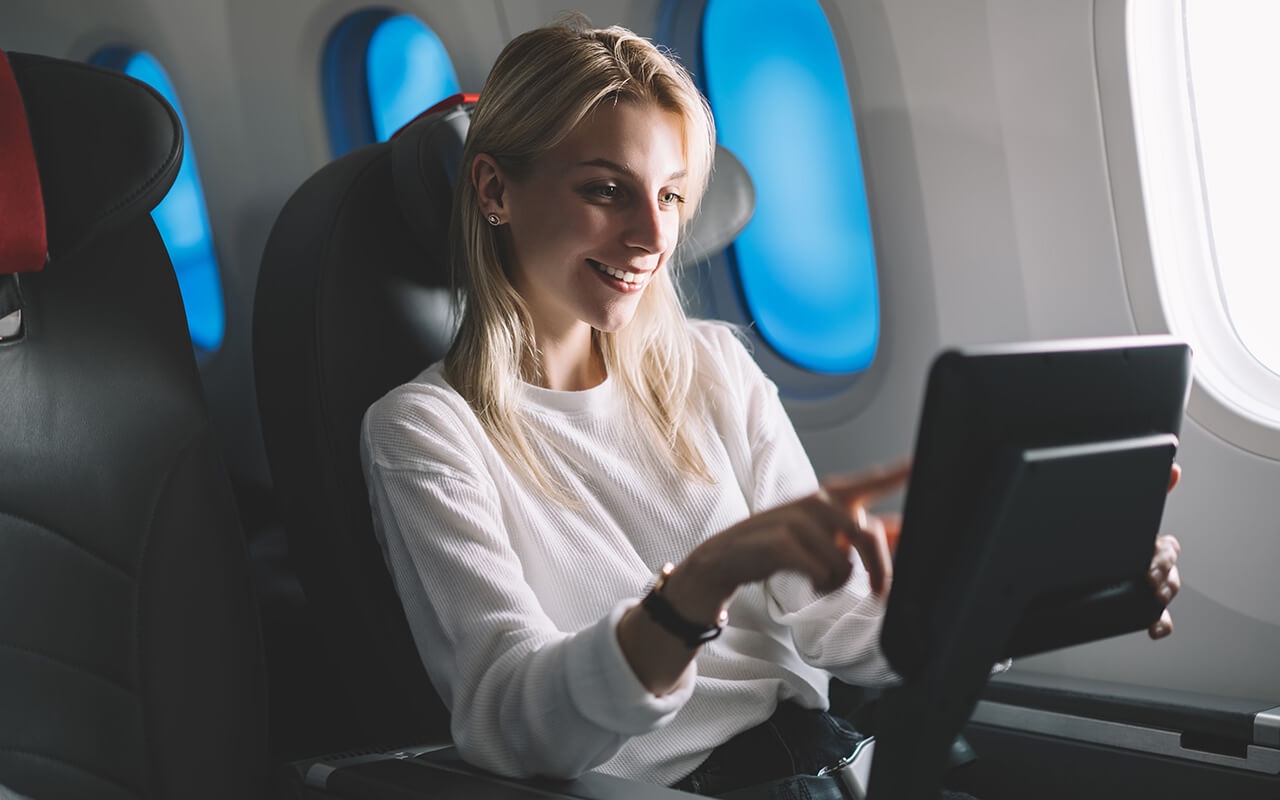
point(514, 600)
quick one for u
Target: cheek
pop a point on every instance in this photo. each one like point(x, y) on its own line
point(559, 229)
point(535, 238)
point(673, 230)
point(672, 235)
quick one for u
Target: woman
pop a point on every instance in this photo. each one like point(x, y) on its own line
point(581, 433)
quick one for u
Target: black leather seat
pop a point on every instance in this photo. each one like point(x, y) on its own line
point(130, 654)
point(351, 302)
point(353, 299)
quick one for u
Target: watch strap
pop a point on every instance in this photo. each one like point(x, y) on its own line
point(664, 614)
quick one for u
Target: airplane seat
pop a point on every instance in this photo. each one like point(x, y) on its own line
point(130, 657)
point(353, 299)
point(350, 302)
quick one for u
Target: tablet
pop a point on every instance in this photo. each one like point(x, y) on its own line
point(987, 407)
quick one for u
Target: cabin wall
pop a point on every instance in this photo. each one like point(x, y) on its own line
point(986, 165)
point(987, 169)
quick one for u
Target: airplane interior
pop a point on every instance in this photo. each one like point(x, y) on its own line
point(1025, 241)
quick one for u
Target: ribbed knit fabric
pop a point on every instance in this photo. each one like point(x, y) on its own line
point(514, 600)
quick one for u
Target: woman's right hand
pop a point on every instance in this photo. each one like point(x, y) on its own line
point(812, 536)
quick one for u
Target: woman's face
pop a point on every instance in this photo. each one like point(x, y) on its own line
point(595, 218)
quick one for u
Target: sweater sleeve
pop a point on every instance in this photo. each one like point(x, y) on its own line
point(526, 698)
point(839, 631)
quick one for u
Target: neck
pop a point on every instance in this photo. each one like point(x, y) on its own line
point(570, 361)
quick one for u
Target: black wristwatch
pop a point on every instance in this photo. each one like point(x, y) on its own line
point(661, 612)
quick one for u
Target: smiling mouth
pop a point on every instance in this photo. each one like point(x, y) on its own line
point(635, 279)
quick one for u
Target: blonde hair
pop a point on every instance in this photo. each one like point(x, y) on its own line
point(544, 83)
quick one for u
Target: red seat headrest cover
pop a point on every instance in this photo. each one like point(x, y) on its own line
point(23, 246)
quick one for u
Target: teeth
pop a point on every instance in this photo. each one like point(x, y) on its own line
point(625, 277)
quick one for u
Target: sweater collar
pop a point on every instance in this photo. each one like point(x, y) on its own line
point(597, 398)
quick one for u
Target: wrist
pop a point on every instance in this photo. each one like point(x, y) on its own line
point(693, 594)
point(666, 616)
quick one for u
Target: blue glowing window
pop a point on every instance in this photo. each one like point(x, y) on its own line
point(380, 71)
point(181, 217)
point(409, 71)
point(806, 262)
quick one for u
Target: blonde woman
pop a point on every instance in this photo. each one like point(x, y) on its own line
point(581, 434)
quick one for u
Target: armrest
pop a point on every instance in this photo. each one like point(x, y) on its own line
point(1242, 733)
point(436, 771)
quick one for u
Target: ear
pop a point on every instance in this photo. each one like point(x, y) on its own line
point(489, 182)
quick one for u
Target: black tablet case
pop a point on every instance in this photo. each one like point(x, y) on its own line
point(984, 410)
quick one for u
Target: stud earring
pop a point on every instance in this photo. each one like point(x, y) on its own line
point(493, 220)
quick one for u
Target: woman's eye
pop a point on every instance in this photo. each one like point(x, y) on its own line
point(608, 192)
point(671, 198)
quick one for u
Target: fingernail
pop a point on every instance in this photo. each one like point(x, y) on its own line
point(1154, 574)
point(1165, 593)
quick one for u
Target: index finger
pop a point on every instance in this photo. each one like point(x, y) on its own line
point(870, 541)
point(868, 486)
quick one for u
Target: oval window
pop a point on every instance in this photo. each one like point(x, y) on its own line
point(806, 261)
point(1200, 78)
point(1233, 69)
point(382, 69)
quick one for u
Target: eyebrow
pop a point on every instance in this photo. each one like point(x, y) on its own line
point(625, 170)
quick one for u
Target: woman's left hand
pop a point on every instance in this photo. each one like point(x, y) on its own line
point(1163, 574)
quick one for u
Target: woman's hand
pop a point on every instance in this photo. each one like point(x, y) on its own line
point(1163, 574)
point(812, 536)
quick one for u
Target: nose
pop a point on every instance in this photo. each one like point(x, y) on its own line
point(650, 227)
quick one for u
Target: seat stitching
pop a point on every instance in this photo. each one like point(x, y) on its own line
point(80, 546)
point(86, 770)
point(63, 662)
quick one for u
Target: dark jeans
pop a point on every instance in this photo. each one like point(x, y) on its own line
point(794, 741)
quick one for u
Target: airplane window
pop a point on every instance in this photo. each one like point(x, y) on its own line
point(1230, 49)
point(409, 71)
point(181, 217)
point(806, 262)
point(1200, 75)
point(381, 69)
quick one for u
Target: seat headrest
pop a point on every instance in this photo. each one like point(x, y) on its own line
point(725, 210)
point(105, 148)
point(425, 156)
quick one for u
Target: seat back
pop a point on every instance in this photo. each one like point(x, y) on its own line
point(350, 303)
point(130, 654)
point(353, 299)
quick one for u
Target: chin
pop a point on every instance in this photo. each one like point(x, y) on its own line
point(615, 317)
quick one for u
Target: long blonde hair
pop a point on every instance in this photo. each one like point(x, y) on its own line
point(544, 83)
